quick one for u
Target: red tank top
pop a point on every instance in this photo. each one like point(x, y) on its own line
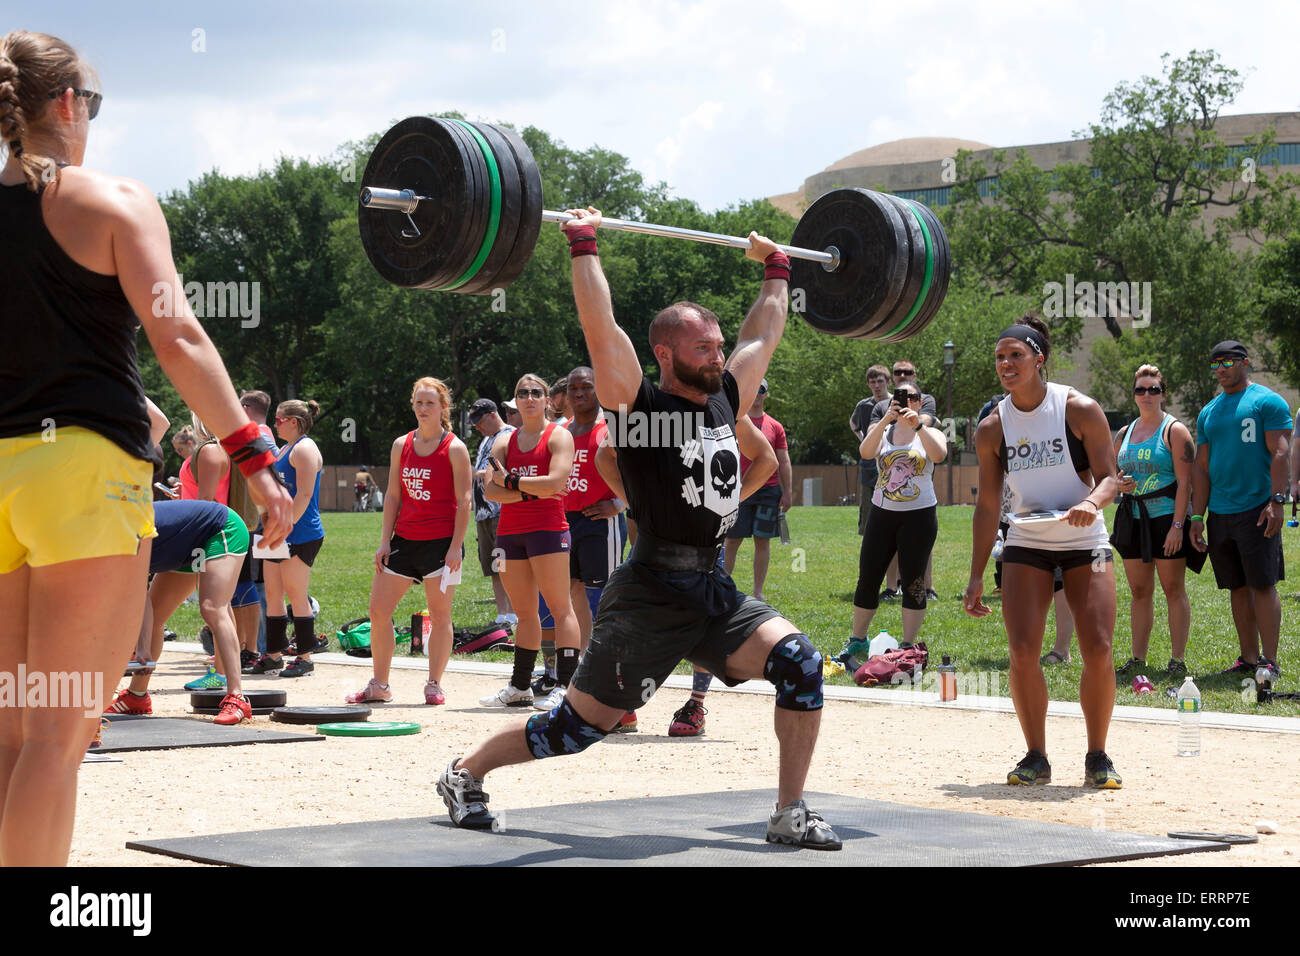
point(585, 486)
point(428, 508)
point(544, 514)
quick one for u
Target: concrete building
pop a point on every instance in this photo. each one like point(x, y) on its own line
point(923, 169)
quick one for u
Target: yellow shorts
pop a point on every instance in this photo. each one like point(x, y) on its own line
point(76, 497)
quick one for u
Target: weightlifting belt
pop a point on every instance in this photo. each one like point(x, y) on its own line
point(664, 555)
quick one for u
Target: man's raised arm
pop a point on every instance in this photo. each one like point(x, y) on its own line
point(765, 324)
point(613, 358)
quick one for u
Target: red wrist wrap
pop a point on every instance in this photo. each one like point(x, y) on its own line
point(249, 450)
point(777, 267)
point(582, 241)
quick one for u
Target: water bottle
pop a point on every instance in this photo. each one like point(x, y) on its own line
point(1142, 685)
point(1263, 684)
point(1189, 720)
point(947, 679)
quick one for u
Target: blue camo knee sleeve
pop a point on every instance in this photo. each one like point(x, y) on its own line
point(561, 732)
point(794, 668)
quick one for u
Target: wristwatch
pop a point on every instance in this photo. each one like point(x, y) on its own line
point(1279, 498)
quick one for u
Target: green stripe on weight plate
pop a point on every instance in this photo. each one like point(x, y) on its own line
point(929, 274)
point(368, 728)
point(494, 216)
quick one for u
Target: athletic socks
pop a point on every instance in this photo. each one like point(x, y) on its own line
point(304, 634)
point(277, 638)
point(522, 677)
point(700, 685)
point(565, 665)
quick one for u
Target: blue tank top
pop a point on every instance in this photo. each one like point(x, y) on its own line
point(308, 527)
point(1151, 463)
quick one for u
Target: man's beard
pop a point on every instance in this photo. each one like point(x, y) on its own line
point(705, 379)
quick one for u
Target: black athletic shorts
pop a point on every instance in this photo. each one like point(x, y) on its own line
point(597, 547)
point(650, 621)
point(417, 560)
point(1131, 550)
point(305, 552)
point(1046, 560)
point(1240, 553)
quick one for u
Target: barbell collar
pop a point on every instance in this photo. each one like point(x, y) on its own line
point(397, 200)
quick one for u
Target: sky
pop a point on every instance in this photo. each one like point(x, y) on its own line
point(723, 101)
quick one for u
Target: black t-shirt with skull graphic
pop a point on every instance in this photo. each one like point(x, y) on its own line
point(680, 463)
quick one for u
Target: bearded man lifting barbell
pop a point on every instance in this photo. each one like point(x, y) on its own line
point(679, 462)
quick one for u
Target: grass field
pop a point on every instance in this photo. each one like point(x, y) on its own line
point(811, 581)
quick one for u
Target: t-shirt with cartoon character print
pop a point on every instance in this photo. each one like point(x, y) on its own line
point(906, 478)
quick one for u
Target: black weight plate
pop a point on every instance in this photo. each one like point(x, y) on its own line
point(258, 698)
point(916, 317)
point(476, 212)
point(938, 285)
point(484, 280)
point(868, 230)
point(319, 715)
point(915, 272)
point(422, 154)
point(942, 270)
point(530, 223)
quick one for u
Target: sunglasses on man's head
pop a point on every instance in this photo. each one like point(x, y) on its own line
point(1226, 363)
point(530, 393)
point(93, 100)
point(1147, 390)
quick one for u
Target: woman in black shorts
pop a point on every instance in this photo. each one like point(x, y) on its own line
point(1155, 454)
point(427, 510)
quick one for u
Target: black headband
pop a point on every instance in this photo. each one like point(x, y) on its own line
point(1026, 334)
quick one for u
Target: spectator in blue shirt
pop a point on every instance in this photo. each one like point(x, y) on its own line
point(1242, 450)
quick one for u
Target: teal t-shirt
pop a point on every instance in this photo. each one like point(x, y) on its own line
point(1233, 425)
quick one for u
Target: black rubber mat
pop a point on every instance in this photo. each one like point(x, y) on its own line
point(170, 733)
point(711, 829)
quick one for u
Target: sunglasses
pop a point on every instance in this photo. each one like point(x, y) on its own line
point(1226, 363)
point(530, 393)
point(903, 373)
point(93, 99)
point(1147, 390)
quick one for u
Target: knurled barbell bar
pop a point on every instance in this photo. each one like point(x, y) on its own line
point(462, 206)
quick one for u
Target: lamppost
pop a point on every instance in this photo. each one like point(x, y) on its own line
point(949, 360)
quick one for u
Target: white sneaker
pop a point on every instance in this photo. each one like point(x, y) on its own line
point(508, 696)
point(466, 802)
point(797, 825)
point(511, 619)
point(552, 700)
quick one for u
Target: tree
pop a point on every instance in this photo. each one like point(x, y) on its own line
point(1278, 296)
point(1130, 228)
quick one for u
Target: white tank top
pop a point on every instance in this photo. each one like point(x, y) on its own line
point(906, 477)
point(1042, 479)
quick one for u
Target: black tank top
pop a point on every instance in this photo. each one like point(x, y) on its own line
point(68, 334)
point(679, 463)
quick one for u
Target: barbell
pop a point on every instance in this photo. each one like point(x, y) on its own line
point(456, 206)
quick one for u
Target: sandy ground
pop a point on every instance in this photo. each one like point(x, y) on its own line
point(913, 755)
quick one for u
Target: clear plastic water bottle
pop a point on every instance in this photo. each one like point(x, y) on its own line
point(1189, 720)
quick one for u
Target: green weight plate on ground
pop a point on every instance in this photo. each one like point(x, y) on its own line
point(530, 222)
point(430, 157)
point(868, 230)
point(368, 728)
point(492, 219)
point(485, 279)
